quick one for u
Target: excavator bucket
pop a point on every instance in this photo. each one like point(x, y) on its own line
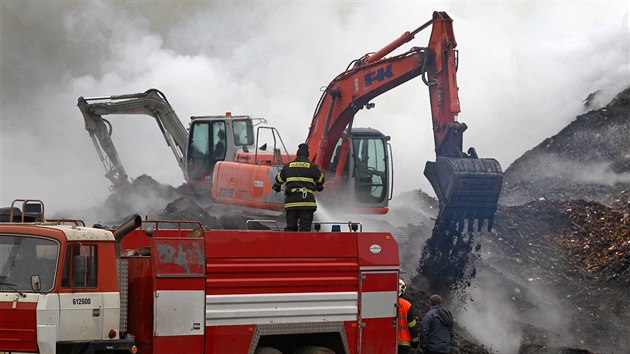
point(468, 190)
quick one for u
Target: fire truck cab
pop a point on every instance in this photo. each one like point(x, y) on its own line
point(173, 286)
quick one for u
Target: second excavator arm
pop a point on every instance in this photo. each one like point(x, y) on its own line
point(151, 102)
point(466, 186)
point(373, 75)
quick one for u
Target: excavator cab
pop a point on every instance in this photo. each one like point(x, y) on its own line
point(371, 167)
point(213, 139)
point(367, 171)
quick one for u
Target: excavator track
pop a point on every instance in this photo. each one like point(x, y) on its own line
point(468, 190)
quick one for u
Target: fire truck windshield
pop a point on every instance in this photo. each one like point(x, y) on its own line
point(22, 257)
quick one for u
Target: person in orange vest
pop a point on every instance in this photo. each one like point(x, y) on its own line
point(407, 331)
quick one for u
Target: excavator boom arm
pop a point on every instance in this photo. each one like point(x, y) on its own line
point(341, 101)
point(466, 186)
point(152, 103)
point(373, 75)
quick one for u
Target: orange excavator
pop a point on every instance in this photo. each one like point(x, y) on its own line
point(357, 161)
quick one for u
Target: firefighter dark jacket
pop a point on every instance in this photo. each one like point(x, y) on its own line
point(302, 179)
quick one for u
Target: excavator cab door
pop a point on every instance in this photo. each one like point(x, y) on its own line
point(270, 149)
point(206, 144)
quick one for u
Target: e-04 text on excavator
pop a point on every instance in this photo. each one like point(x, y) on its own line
point(358, 161)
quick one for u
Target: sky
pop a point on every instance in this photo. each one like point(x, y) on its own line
point(524, 69)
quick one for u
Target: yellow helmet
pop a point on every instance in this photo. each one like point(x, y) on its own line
point(401, 287)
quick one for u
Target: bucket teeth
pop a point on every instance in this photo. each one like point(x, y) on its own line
point(480, 224)
point(490, 222)
point(460, 219)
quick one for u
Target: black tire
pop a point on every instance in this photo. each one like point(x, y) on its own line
point(267, 350)
point(311, 349)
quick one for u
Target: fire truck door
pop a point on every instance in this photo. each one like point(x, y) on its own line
point(82, 309)
point(180, 297)
point(81, 316)
point(379, 300)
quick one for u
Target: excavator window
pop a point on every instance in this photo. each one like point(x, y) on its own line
point(199, 141)
point(332, 167)
point(243, 132)
point(370, 169)
point(207, 145)
point(198, 157)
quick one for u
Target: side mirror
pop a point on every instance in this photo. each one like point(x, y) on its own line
point(36, 283)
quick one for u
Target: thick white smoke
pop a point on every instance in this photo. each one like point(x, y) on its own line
point(524, 69)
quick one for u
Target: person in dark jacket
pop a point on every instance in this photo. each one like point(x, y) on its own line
point(302, 179)
point(437, 328)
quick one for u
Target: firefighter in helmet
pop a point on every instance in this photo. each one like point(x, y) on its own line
point(302, 179)
point(407, 331)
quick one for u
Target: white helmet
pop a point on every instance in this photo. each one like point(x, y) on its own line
point(401, 287)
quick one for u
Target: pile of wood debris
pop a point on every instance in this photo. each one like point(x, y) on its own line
point(599, 239)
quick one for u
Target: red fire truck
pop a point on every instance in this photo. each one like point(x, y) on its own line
point(175, 287)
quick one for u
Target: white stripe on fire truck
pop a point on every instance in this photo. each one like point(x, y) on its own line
point(239, 309)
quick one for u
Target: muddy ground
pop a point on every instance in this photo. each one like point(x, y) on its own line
point(553, 276)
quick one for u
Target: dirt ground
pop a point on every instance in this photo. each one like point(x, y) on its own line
point(553, 276)
point(560, 272)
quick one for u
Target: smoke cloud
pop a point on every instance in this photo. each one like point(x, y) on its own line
point(498, 302)
point(524, 69)
point(600, 173)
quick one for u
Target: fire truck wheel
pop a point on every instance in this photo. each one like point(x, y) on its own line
point(313, 350)
point(267, 350)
